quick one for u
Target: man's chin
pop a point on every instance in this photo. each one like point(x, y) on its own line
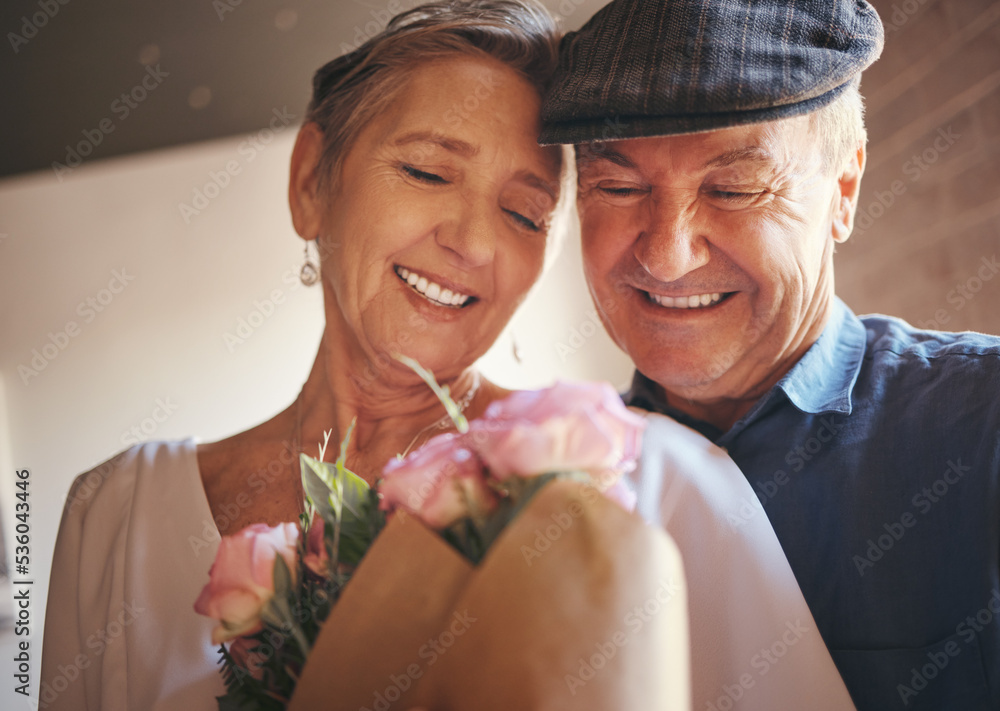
point(677, 368)
point(693, 384)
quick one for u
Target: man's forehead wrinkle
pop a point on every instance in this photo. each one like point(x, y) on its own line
point(778, 150)
point(747, 154)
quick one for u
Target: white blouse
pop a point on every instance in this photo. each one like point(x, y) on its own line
point(754, 643)
point(135, 545)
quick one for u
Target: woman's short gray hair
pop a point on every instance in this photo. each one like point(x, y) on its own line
point(350, 90)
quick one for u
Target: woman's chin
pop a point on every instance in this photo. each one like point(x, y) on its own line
point(434, 333)
point(444, 349)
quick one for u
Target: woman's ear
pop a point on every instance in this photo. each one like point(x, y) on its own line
point(304, 197)
point(849, 188)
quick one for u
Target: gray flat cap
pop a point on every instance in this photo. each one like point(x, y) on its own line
point(661, 67)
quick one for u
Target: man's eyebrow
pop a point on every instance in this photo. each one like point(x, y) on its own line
point(749, 154)
point(453, 145)
point(589, 155)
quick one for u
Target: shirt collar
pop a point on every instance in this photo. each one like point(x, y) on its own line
point(824, 377)
point(821, 381)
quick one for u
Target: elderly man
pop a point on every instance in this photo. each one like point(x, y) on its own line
point(720, 146)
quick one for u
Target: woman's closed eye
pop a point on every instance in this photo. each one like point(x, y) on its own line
point(525, 222)
point(422, 175)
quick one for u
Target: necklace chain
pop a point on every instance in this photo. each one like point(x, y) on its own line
point(445, 421)
point(297, 445)
point(440, 424)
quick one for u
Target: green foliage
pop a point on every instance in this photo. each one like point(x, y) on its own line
point(346, 504)
point(243, 691)
point(348, 512)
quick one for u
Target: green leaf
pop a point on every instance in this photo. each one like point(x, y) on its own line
point(318, 483)
point(344, 500)
point(356, 532)
point(342, 457)
point(283, 583)
point(443, 393)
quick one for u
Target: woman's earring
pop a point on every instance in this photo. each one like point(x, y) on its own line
point(309, 274)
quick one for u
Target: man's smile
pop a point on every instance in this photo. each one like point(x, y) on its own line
point(690, 301)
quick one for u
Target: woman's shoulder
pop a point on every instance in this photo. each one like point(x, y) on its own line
point(111, 484)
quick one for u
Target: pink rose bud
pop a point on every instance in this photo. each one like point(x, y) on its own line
point(241, 580)
point(317, 559)
point(253, 662)
point(440, 483)
point(567, 427)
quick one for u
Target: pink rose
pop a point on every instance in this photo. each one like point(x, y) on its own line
point(440, 483)
point(567, 427)
point(317, 559)
point(241, 579)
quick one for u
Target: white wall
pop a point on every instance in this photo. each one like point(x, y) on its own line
point(161, 338)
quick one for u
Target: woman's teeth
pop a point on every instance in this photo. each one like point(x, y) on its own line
point(432, 291)
point(695, 301)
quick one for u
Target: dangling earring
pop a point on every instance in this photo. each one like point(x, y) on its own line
point(309, 274)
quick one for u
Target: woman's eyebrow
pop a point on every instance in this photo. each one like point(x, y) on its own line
point(454, 145)
point(549, 187)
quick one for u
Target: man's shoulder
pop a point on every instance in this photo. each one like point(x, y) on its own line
point(890, 338)
point(904, 364)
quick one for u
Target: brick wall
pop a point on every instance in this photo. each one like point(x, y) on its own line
point(926, 245)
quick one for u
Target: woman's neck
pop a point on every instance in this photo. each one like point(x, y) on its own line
point(391, 406)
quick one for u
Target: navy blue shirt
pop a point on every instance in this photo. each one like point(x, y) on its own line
point(877, 461)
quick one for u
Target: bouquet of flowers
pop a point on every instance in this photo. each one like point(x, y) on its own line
point(365, 602)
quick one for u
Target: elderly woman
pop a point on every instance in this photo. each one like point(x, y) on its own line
point(418, 176)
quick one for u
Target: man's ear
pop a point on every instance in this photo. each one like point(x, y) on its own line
point(849, 188)
point(304, 197)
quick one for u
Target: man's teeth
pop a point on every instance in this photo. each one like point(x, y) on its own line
point(432, 291)
point(695, 301)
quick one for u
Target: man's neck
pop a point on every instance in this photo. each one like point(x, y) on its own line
point(721, 414)
point(723, 408)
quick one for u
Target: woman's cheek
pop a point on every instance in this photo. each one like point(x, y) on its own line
point(528, 269)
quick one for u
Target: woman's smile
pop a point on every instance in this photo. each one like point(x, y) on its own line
point(435, 289)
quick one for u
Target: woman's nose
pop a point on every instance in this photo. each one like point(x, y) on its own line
point(472, 236)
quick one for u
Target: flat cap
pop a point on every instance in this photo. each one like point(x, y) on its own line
point(661, 67)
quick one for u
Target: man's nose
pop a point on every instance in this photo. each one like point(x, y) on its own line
point(671, 244)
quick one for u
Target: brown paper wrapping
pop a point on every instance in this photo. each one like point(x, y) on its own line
point(578, 605)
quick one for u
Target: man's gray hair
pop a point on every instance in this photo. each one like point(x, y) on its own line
point(840, 126)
